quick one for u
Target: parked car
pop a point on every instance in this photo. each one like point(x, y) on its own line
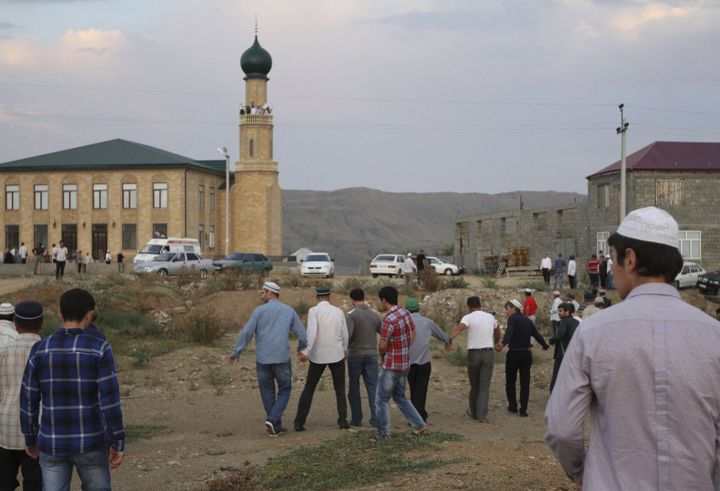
point(689, 275)
point(387, 264)
point(172, 263)
point(245, 262)
point(317, 264)
point(441, 267)
point(709, 283)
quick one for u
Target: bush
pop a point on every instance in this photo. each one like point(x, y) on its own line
point(127, 324)
point(431, 281)
point(489, 282)
point(218, 378)
point(201, 326)
point(457, 283)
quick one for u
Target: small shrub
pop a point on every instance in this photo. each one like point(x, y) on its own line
point(201, 326)
point(351, 283)
point(537, 285)
point(431, 281)
point(489, 282)
point(140, 355)
point(456, 283)
point(457, 357)
point(219, 378)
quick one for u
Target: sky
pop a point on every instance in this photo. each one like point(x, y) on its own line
point(410, 96)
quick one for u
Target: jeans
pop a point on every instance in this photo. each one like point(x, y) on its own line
point(515, 361)
point(392, 384)
point(418, 379)
point(480, 370)
point(367, 367)
point(558, 280)
point(92, 467)
point(274, 401)
point(594, 279)
point(609, 282)
point(10, 462)
point(315, 370)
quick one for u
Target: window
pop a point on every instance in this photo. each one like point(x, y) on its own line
point(100, 195)
point(201, 197)
point(690, 244)
point(201, 236)
point(160, 195)
point(69, 236)
point(41, 236)
point(12, 197)
point(603, 197)
point(129, 236)
point(129, 190)
point(602, 245)
point(669, 192)
point(509, 226)
point(252, 147)
point(70, 196)
point(211, 237)
point(192, 257)
point(12, 236)
point(212, 198)
point(159, 230)
point(41, 196)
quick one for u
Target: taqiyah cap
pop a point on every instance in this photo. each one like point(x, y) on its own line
point(6, 309)
point(650, 224)
point(412, 304)
point(271, 286)
point(556, 293)
point(515, 303)
point(28, 310)
point(599, 301)
point(322, 291)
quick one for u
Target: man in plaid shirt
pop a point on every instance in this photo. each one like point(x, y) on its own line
point(396, 336)
point(73, 373)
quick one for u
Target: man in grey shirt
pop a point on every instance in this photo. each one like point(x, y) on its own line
point(647, 370)
point(420, 367)
point(363, 327)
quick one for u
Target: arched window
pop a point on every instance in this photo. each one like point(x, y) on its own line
point(252, 147)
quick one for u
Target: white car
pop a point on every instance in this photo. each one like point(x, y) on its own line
point(441, 267)
point(688, 276)
point(387, 264)
point(318, 264)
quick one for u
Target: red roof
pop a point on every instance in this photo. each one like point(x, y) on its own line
point(670, 156)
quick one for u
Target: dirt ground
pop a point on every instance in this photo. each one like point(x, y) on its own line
point(205, 435)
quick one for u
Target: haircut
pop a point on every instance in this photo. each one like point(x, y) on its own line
point(473, 302)
point(389, 294)
point(528, 294)
point(652, 259)
point(33, 325)
point(357, 294)
point(75, 304)
point(567, 307)
point(7, 317)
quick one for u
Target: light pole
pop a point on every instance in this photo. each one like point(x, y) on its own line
point(223, 151)
point(622, 131)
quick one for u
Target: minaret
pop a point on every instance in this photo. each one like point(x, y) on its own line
point(256, 194)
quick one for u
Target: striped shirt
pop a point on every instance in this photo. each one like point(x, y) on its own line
point(13, 359)
point(72, 375)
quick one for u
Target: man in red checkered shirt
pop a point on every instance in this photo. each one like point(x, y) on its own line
point(396, 336)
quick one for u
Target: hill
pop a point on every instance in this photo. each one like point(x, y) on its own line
point(355, 224)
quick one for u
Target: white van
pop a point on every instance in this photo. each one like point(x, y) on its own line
point(155, 247)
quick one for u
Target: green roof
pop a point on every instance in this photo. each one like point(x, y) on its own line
point(111, 154)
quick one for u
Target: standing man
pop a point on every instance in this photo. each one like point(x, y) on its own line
point(23, 253)
point(559, 272)
point(39, 253)
point(519, 357)
point(608, 274)
point(60, 258)
point(409, 270)
point(572, 272)
point(420, 264)
point(561, 339)
point(483, 334)
point(8, 333)
point(646, 370)
point(363, 326)
point(13, 357)
point(545, 267)
point(271, 325)
point(529, 305)
point(396, 336)
point(593, 271)
point(420, 366)
point(72, 374)
point(602, 270)
point(120, 262)
point(554, 316)
point(327, 341)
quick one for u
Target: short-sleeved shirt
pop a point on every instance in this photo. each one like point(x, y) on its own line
point(481, 328)
point(397, 330)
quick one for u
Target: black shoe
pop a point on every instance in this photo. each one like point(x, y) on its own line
point(524, 414)
point(469, 414)
point(299, 427)
point(344, 425)
point(356, 424)
point(512, 409)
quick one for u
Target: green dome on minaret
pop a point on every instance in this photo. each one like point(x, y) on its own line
point(256, 62)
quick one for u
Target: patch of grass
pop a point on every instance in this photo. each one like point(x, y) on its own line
point(134, 433)
point(457, 357)
point(127, 324)
point(457, 282)
point(489, 282)
point(537, 285)
point(219, 378)
point(140, 355)
point(362, 459)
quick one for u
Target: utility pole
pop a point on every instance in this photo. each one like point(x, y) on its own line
point(622, 131)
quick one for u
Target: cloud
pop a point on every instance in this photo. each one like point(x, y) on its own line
point(630, 19)
point(7, 26)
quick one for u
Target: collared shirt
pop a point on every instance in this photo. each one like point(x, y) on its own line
point(327, 334)
point(271, 325)
point(554, 309)
point(363, 325)
point(572, 267)
point(519, 331)
point(397, 330)
point(13, 359)
point(546, 263)
point(424, 329)
point(529, 306)
point(7, 332)
point(72, 373)
point(408, 265)
point(646, 369)
point(481, 329)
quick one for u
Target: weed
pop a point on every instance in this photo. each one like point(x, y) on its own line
point(218, 378)
point(431, 281)
point(134, 433)
point(489, 282)
point(201, 326)
point(457, 357)
point(351, 283)
point(140, 356)
point(457, 283)
point(537, 285)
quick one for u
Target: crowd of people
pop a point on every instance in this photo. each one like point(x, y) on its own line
point(253, 109)
point(599, 271)
point(59, 256)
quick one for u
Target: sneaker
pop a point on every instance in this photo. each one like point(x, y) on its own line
point(421, 431)
point(270, 428)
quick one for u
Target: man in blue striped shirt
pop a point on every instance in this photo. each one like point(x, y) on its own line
point(72, 374)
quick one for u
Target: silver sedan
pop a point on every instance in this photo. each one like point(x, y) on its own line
point(173, 263)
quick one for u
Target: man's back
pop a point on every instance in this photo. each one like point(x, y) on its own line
point(399, 330)
point(271, 324)
point(481, 327)
point(363, 327)
point(327, 333)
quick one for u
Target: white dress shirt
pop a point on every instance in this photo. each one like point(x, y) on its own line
point(327, 334)
point(572, 267)
point(553, 310)
point(546, 263)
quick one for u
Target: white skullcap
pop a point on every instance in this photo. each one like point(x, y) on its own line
point(556, 293)
point(517, 304)
point(272, 287)
point(650, 224)
point(599, 301)
point(7, 309)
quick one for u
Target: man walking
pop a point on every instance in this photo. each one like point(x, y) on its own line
point(327, 341)
point(23, 253)
point(554, 317)
point(396, 336)
point(593, 271)
point(545, 267)
point(646, 370)
point(420, 366)
point(559, 272)
point(271, 325)
point(519, 357)
point(61, 253)
point(13, 357)
point(483, 334)
point(561, 339)
point(363, 326)
point(72, 374)
point(572, 272)
point(529, 305)
point(409, 269)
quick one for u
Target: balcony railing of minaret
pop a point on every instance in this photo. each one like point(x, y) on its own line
point(256, 118)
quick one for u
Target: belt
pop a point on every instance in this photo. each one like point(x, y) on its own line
point(519, 349)
point(480, 349)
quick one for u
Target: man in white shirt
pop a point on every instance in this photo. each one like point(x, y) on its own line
point(8, 332)
point(483, 334)
point(572, 272)
point(23, 253)
point(609, 277)
point(546, 266)
point(60, 258)
point(409, 269)
point(327, 342)
point(554, 316)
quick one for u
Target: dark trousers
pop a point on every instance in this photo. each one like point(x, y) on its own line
point(573, 281)
point(418, 379)
point(556, 369)
point(546, 276)
point(603, 279)
point(10, 462)
point(594, 279)
point(315, 370)
point(480, 370)
point(79, 266)
point(59, 269)
point(555, 325)
point(518, 361)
